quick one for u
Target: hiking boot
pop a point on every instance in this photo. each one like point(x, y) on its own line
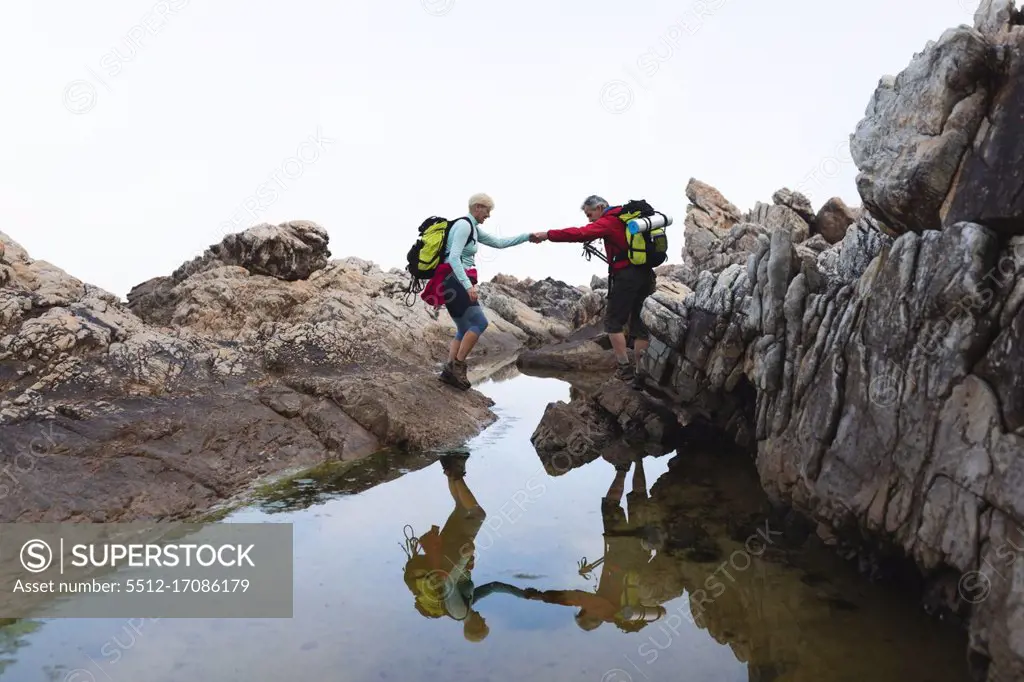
point(449, 375)
point(459, 369)
point(638, 381)
point(641, 371)
point(624, 372)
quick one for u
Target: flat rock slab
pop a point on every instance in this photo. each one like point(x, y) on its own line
point(583, 355)
point(151, 458)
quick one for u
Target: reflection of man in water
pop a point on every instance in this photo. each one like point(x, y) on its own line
point(629, 542)
point(441, 576)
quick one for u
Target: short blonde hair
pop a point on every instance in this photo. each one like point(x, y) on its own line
point(481, 199)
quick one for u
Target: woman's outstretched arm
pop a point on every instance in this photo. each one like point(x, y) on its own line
point(494, 242)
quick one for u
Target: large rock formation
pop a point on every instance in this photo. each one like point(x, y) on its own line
point(343, 312)
point(941, 143)
point(261, 355)
point(718, 235)
point(878, 380)
point(881, 387)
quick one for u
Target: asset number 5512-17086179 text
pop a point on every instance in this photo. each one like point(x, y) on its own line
point(187, 585)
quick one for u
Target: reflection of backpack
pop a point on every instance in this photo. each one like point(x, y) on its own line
point(650, 247)
point(428, 251)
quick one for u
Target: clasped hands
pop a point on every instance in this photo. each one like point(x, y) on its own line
point(538, 237)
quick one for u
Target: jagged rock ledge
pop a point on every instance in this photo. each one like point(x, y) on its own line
point(259, 356)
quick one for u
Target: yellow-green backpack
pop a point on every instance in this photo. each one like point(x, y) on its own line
point(428, 251)
point(648, 248)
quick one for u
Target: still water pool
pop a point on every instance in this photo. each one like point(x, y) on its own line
point(670, 570)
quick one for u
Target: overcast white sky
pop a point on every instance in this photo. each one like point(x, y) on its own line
point(136, 131)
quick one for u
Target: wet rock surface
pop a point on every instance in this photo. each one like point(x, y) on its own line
point(604, 415)
point(259, 356)
point(584, 355)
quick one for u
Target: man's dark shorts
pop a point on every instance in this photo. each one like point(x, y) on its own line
point(629, 288)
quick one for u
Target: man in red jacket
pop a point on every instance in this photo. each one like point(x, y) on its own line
point(628, 285)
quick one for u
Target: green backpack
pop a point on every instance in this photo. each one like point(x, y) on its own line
point(427, 253)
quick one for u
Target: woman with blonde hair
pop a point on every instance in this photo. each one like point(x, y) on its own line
point(455, 282)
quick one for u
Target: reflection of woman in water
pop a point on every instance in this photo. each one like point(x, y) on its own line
point(621, 598)
point(440, 577)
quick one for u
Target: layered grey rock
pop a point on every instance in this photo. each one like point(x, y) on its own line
point(718, 235)
point(780, 217)
point(796, 202)
point(880, 386)
point(919, 125)
point(879, 379)
point(849, 259)
point(709, 219)
point(940, 143)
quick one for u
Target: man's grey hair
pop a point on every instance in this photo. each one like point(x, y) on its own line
point(594, 201)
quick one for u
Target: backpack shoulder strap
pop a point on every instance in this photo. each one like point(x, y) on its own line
point(445, 246)
point(472, 229)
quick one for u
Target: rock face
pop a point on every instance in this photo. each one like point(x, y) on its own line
point(878, 380)
point(717, 235)
point(833, 219)
point(259, 356)
point(291, 251)
point(989, 188)
point(940, 143)
point(918, 127)
point(796, 202)
point(880, 385)
point(546, 309)
point(862, 242)
point(709, 219)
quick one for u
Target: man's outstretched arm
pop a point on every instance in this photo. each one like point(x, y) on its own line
point(496, 586)
point(596, 230)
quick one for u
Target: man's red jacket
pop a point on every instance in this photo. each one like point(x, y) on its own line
point(609, 228)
